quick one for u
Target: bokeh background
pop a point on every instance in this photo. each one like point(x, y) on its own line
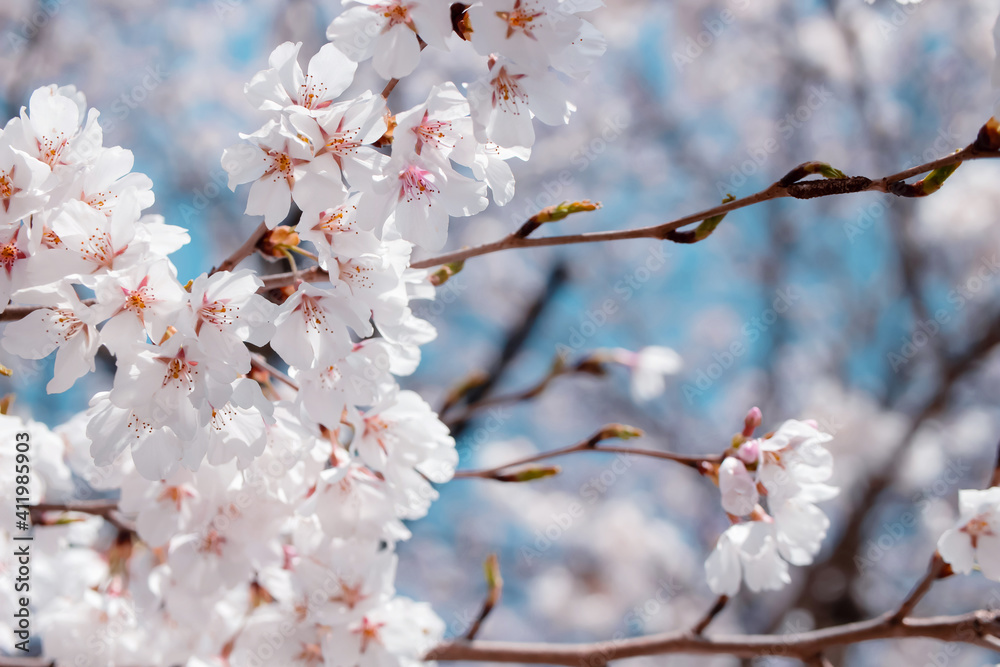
point(877, 316)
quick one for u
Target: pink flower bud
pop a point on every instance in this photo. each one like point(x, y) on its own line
point(752, 421)
point(749, 451)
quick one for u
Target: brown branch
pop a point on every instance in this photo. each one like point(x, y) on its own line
point(934, 571)
point(592, 444)
point(799, 190)
point(995, 477)
point(849, 542)
point(313, 274)
point(258, 361)
point(514, 341)
point(11, 661)
point(584, 366)
point(106, 509)
point(710, 615)
point(979, 628)
point(244, 251)
point(389, 87)
point(494, 589)
point(12, 313)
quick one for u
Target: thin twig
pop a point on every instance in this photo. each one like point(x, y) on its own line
point(106, 509)
point(518, 396)
point(995, 477)
point(313, 274)
point(799, 190)
point(515, 339)
point(710, 615)
point(243, 251)
point(978, 628)
point(494, 589)
point(934, 570)
point(591, 444)
point(258, 361)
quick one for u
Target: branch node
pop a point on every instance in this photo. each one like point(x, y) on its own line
point(827, 187)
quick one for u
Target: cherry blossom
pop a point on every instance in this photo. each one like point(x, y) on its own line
point(66, 326)
point(975, 540)
point(746, 552)
point(388, 32)
point(504, 101)
point(261, 501)
point(284, 87)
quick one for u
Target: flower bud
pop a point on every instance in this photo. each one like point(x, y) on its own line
point(529, 474)
point(752, 421)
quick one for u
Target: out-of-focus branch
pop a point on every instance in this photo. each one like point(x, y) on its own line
point(516, 338)
point(849, 542)
point(935, 570)
point(259, 362)
point(494, 589)
point(995, 477)
point(106, 509)
point(558, 369)
point(244, 251)
point(710, 615)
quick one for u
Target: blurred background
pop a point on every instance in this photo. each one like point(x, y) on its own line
point(879, 317)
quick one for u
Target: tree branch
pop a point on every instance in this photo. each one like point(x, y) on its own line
point(106, 509)
point(934, 571)
point(799, 190)
point(244, 251)
point(586, 365)
point(710, 615)
point(979, 628)
point(592, 444)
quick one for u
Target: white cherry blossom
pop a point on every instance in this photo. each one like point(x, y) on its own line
point(975, 539)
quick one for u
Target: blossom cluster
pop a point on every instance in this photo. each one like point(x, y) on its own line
point(787, 470)
point(265, 507)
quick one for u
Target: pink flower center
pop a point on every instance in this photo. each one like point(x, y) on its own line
point(216, 312)
point(506, 90)
point(395, 13)
point(416, 184)
point(433, 133)
point(976, 528)
point(520, 20)
point(311, 93)
point(7, 189)
point(10, 253)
